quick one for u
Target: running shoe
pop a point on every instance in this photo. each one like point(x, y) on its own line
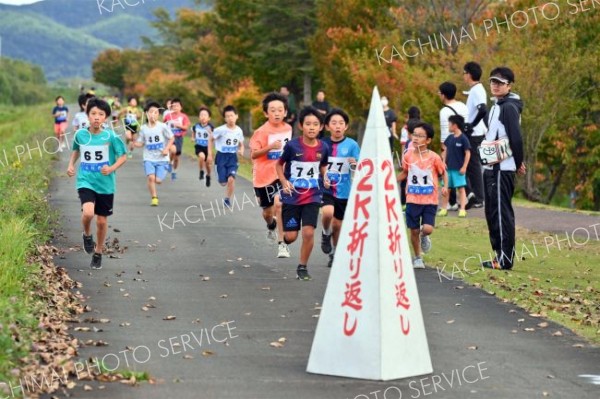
point(173, 176)
point(88, 243)
point(154, 201)
point(442, 212)
point(207, 180)
point(462, 213)
point(418, 263)
point(129, 155)
point(478, 205)
point(201, 175)
point(453, 207)
point(491, 264)
point(330, 263)
point(326, 243)
point(227, 203)
point(96, 261)
point(283, 251)
point(425, 243)
point(302, 273)
point(471, 201)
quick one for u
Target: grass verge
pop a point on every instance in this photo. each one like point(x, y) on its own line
point(555, 281)
point(25, 221)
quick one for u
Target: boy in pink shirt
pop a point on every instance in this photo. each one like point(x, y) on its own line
point(421, 167)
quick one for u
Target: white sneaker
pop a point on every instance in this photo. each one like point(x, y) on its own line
point(284, 251)
point(425, 243)
point(272, 235)
point(418, 263)
point(452, 208)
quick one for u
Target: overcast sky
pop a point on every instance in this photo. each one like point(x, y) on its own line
point(18, 2)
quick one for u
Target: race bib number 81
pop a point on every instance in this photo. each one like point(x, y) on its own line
point(284, 137)
point(93, 157)
point(419, 182)
point(304, 174)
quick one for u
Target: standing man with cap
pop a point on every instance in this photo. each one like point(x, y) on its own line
point(504, 120)
point(477, 109)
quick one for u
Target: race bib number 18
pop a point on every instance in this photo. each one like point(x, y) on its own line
point(155, 143)
point(93, 157)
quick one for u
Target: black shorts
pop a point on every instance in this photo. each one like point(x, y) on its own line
point(201, 149)
point(295, 216)
point(418, 215)
point(103, 203)
point(178, 144)
point(266, 195)
point(132, 128)
point(339, 205)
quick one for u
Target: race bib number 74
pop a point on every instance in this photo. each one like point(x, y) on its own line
point(93, 157)
point(304, 174)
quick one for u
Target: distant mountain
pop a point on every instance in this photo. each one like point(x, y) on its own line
point(64, 36)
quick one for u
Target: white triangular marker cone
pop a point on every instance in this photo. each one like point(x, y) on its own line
point(371, 325)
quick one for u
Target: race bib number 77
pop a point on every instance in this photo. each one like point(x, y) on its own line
point(93, 157)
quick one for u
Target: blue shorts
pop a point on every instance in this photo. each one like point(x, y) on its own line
point(227, 165)
point(418, 215)
point(455, 179)
point(157, 168)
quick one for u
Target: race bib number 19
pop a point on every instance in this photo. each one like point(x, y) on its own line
point(93, 157)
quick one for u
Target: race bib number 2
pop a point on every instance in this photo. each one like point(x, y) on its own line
point(93, 157)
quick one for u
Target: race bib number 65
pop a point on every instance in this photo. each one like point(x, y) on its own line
point(93, 157)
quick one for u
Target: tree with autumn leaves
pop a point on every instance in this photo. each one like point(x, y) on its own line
point(238, 51)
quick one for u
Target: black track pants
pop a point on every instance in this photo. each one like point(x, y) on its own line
point(499, 187)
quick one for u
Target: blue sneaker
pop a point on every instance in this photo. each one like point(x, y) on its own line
point(173, 176)
point(226, 202)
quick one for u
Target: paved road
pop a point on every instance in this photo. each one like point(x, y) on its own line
point(478, 344)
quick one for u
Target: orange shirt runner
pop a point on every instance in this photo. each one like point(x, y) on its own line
point(422, 181)
point(263, 171)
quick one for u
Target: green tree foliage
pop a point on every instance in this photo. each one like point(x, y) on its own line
point(22, 83)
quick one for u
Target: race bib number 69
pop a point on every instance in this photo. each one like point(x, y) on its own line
point(93, 157)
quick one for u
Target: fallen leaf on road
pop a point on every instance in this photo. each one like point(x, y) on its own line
point(266, 288)
point(188, 357)
point(107, 284)
point(116, 230)
point(224, 296)
point(144, 308)
point(520, 320)
point(543, 325)
point(557, 334)
point(232, 272)
point(272, 300)
point(450, 322)
point(529, 329)
point(208, 353)
point(245, 266)
point(87, 388)
point(82, 329)
point(472, 348)
point(125, 324)
point(578, 346)
point(170, 318)
point(276, 344)
point(240, 259)
point(152, 298)
point(205, 278)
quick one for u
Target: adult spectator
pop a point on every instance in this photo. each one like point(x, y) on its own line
point(320, 103)
point(390, 120)
point(477, 109)
point(292, 108)
point(503, 122)
point(447, 93)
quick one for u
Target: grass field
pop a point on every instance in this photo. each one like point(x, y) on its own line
point(561, 282)
point(25, 220)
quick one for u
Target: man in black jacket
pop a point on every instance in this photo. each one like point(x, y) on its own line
point(503, 120)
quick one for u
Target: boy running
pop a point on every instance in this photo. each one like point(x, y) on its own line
point(179, 123)
point(80, 120)
point(100, 152)
point(202, 134)
point(456, 157)
point(303, 161)
point(132, 116)
point(343, 155)
point(422, 167)
point(61, 114)
point(156, 138)
point(229, 142)
point(267, 145)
